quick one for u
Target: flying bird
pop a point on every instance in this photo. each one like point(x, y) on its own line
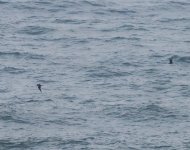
point(39, 87)
point(170, 61)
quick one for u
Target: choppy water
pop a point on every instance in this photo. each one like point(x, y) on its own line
point(104, 69)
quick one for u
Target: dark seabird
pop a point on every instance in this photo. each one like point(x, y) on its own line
point(39, 87)
point(171, 61)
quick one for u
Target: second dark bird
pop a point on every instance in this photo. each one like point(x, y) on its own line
point(39, 87)
point(171, 61)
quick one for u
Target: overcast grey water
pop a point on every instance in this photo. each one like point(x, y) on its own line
point(104, 69)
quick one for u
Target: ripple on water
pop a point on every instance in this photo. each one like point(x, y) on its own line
point(10, 115)
point(128, 64)
point(185, 59)
point(46, 81)
point(69, 21)
point(121, 11)
point(150, 112)
point(45, 142)
point(106, 73)
point(181, 59)
point(119, 38)
point(169, 20)
point(19, 55)
point(22, 144)
point(35, 30)
point(180, 3)
point(13, 70)
point(4, 90)
point(93, 3)
point(43, 3)
point(3, 2)
point(10, 54)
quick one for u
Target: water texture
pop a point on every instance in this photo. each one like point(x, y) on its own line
point(104, 68)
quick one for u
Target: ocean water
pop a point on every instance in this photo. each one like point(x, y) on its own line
point(104, 68)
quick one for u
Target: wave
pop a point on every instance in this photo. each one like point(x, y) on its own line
point(20, 144)
point(119, 38)
point(69, 21)
point(3, 90)
point(13, 70)
point(60, 7)
point(180, 3)
point(90, 3)
point(35, 30)
point(16, 54)
point(182, 59)
point(22, 6)
point(105, 73)
point(73, 40)
point(43, 3)
point(131, 27)
point(35, 56)
point(10, 116)
point(46, 81)
point(185, 59)
point(34, 142)
point(37, 101)
point(168, 20)
point(150, 112)
point(2, 2)
point(121, 11)
point(127, 64)
point(127, 28)
point(19, 55)
point(73, 142)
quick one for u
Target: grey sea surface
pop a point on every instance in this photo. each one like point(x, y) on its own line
point(104, 69)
